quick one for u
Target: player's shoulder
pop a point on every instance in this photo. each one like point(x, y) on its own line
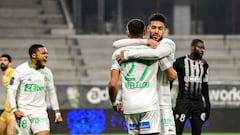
point(11, 69)
point(167, 41)
point(179, 62)
point(181, 58)
point(23, 66)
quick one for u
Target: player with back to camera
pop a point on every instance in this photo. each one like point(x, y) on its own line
point(139, 89)
point(165, 51)
point(33, 83)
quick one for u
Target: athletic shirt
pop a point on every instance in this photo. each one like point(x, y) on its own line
point(191, 75)
point(163, 82)
point(165, 49)
point(139, 88)
point(32, 87)
point(7, 74)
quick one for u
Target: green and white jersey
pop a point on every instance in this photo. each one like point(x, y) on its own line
point(139, 87)
point(164, 89)
point(165, 53)
point(32, 87)
point(163, 82)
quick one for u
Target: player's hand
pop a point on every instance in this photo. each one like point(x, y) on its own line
point(152, 43)
point(207, 111)
point(58, 118)
point(120, 57)
point(118, 108)
point(18, 114)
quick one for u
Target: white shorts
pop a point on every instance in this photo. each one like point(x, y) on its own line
point(143, 123)
point(167, 121)
point(34, 123)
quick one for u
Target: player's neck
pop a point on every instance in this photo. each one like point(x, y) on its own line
point(34, 65)
point(192, 57)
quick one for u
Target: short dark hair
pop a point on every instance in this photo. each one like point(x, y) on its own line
point(34, 49)
point(157, 17)
point(195, 41)
point(136, 27)
point(7, 56)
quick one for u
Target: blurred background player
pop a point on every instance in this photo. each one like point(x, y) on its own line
point(33, 83)
point(192, 71)
point(139, 88)
point(165, 51)
point(6, 118)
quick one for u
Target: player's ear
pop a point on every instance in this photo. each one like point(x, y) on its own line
point(144, 32)
point(128, 34)
point(148, 28)
point(34, 55)
point(193, 48)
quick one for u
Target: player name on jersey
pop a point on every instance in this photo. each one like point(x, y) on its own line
point(137, 84)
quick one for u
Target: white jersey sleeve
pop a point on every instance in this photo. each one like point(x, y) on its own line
point(129, 42)
point(115, 64)
point(164, 64)
point(12, 87)
point(165, 48)
point(51, 91)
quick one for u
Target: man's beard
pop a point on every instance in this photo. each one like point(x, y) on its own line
point(156, 40)
point(39, 65)
point(197, 56)
point(3, 67)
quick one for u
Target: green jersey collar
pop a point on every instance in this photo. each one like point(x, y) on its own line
point(29, 64)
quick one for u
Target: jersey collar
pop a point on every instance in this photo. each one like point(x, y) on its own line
point(29, 64)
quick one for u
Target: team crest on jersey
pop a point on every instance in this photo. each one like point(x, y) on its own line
point(46, 79)
point(201, 62)
point(11, 81)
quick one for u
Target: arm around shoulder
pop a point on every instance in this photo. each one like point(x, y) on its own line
point(129, 42)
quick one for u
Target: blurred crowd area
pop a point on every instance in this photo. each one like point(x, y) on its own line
point(184, 16)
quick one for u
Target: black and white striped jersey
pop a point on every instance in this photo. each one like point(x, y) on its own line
point(191, 76)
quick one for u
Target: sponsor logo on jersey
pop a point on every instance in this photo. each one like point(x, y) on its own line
point(192, 79)
point(145, 124)
point(33, 88)
point(133, 126)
